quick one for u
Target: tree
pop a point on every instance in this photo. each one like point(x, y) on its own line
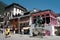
point(38, 23)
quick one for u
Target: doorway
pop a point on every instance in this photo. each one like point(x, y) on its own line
point(57, 31)
point(26, 31)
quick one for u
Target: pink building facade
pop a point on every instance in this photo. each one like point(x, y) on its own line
point(49, 18)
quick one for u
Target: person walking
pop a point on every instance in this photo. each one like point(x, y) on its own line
point(7, 32)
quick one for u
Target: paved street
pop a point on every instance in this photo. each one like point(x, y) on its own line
point(26, 37)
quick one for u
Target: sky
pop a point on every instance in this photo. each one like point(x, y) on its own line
point(38, 4)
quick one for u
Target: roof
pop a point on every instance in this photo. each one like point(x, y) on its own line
point(15, 4)
point(40, 11)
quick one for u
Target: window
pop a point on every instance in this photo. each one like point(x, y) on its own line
point(1, 26)
point(1, 19)
point(15, 15)
point(22, 13)
point(43, 21)
point(27, 23)
point(42, 15)
point(34, 20)
point(19, 14)
point(8, 13)
point(34, 16)
point(47, 14)
point(38, 16)
point(21, 25)
point(47, 20)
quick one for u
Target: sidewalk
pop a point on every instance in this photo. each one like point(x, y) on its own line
point(27, 37)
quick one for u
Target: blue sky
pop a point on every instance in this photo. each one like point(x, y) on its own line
point(39, 4)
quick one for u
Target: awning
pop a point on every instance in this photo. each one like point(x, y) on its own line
point(26, 28)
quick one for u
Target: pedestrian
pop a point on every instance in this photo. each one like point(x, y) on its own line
point(7, 32)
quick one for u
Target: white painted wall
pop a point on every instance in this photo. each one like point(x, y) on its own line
point(22, 13)
point(51, 29)
point(30, 22)
point(17, 11)
point(8, 13)
point(58, 18)
point(31, 26)
point(58, 21)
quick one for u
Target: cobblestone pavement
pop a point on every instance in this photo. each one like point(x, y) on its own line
point(26, 37)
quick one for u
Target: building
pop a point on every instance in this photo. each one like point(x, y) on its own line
point(1, 21)
point(49, 19)
point(20, 20)
point(57, 29)
point(58, 18)
point(18, 16)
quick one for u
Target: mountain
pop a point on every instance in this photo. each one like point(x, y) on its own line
point(2, 7)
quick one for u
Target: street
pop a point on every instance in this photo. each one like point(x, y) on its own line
point(26, 37)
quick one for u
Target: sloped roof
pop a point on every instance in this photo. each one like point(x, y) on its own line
point(40, 11)
point(16, 5)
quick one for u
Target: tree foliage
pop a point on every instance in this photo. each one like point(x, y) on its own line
point(38, 21)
